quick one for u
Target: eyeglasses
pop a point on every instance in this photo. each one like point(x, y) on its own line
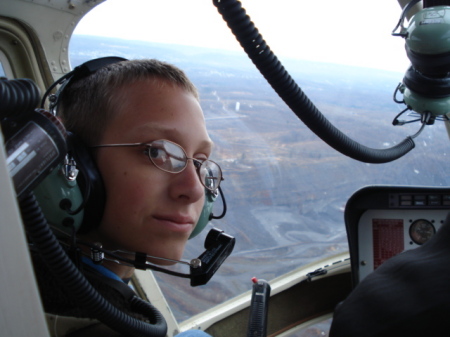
point(171, 157)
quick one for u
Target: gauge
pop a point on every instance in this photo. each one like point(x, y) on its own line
point(421, 231)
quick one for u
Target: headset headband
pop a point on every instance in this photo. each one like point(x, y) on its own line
point(76, 74)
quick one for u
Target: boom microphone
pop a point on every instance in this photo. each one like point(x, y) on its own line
point(218, 247)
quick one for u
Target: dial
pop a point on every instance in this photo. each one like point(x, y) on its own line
point(421, 231)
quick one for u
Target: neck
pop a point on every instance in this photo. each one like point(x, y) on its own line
point(122, 271)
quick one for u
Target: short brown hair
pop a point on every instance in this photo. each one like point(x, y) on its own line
point(87, 105)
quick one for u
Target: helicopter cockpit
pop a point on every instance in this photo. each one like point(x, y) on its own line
point(332, 144)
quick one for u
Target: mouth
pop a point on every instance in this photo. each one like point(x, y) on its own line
point(176, 223)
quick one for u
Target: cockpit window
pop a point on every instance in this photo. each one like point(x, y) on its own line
point(285, 188)
point(3, 65)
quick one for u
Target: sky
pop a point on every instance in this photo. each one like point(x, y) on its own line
point(356, 32)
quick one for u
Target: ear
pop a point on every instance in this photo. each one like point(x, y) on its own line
point(90, 182)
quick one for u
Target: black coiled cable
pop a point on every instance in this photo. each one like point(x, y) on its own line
point(63, 267)
point(18, 96)
point(280, 80)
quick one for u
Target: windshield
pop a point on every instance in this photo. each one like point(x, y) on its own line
point(285, 188)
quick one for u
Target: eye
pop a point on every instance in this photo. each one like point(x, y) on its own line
point(157, 155)
point(197, 163)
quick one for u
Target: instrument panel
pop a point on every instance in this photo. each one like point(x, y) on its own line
point(385, 233)
point(383, 221)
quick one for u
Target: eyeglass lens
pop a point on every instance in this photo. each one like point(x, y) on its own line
point(170, 157)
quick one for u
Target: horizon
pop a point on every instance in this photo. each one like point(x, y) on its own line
point(237, 53)
point(331, 36)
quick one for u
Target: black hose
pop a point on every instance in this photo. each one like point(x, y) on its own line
point(87, 296)
point(18, 96)
point(434, 3)
point(280, 80)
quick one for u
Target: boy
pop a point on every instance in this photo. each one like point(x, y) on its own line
point(144, 126)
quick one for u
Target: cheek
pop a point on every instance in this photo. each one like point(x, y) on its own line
point(128, 194)
point(128, 205)
point(200, 204)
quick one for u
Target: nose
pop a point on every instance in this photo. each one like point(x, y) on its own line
point(186, 185)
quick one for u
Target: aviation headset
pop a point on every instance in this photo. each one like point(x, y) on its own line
point(77, 188)
point(427, 81)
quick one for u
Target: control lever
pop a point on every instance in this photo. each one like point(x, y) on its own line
point(259, 308)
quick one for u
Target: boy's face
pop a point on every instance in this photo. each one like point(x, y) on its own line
point(149, 210)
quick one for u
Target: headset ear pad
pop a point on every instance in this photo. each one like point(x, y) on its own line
point(206, 214)
point(426, 86)
point(89, 181)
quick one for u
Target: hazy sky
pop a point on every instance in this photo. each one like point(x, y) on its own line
point(354, 32)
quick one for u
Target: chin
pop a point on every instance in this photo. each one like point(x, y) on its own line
point(164, 249)
point(172, 255)
point(161, 262)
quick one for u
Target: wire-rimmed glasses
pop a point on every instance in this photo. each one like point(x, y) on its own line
point(171, 157)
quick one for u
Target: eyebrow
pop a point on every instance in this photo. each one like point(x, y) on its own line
point(146, 129)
